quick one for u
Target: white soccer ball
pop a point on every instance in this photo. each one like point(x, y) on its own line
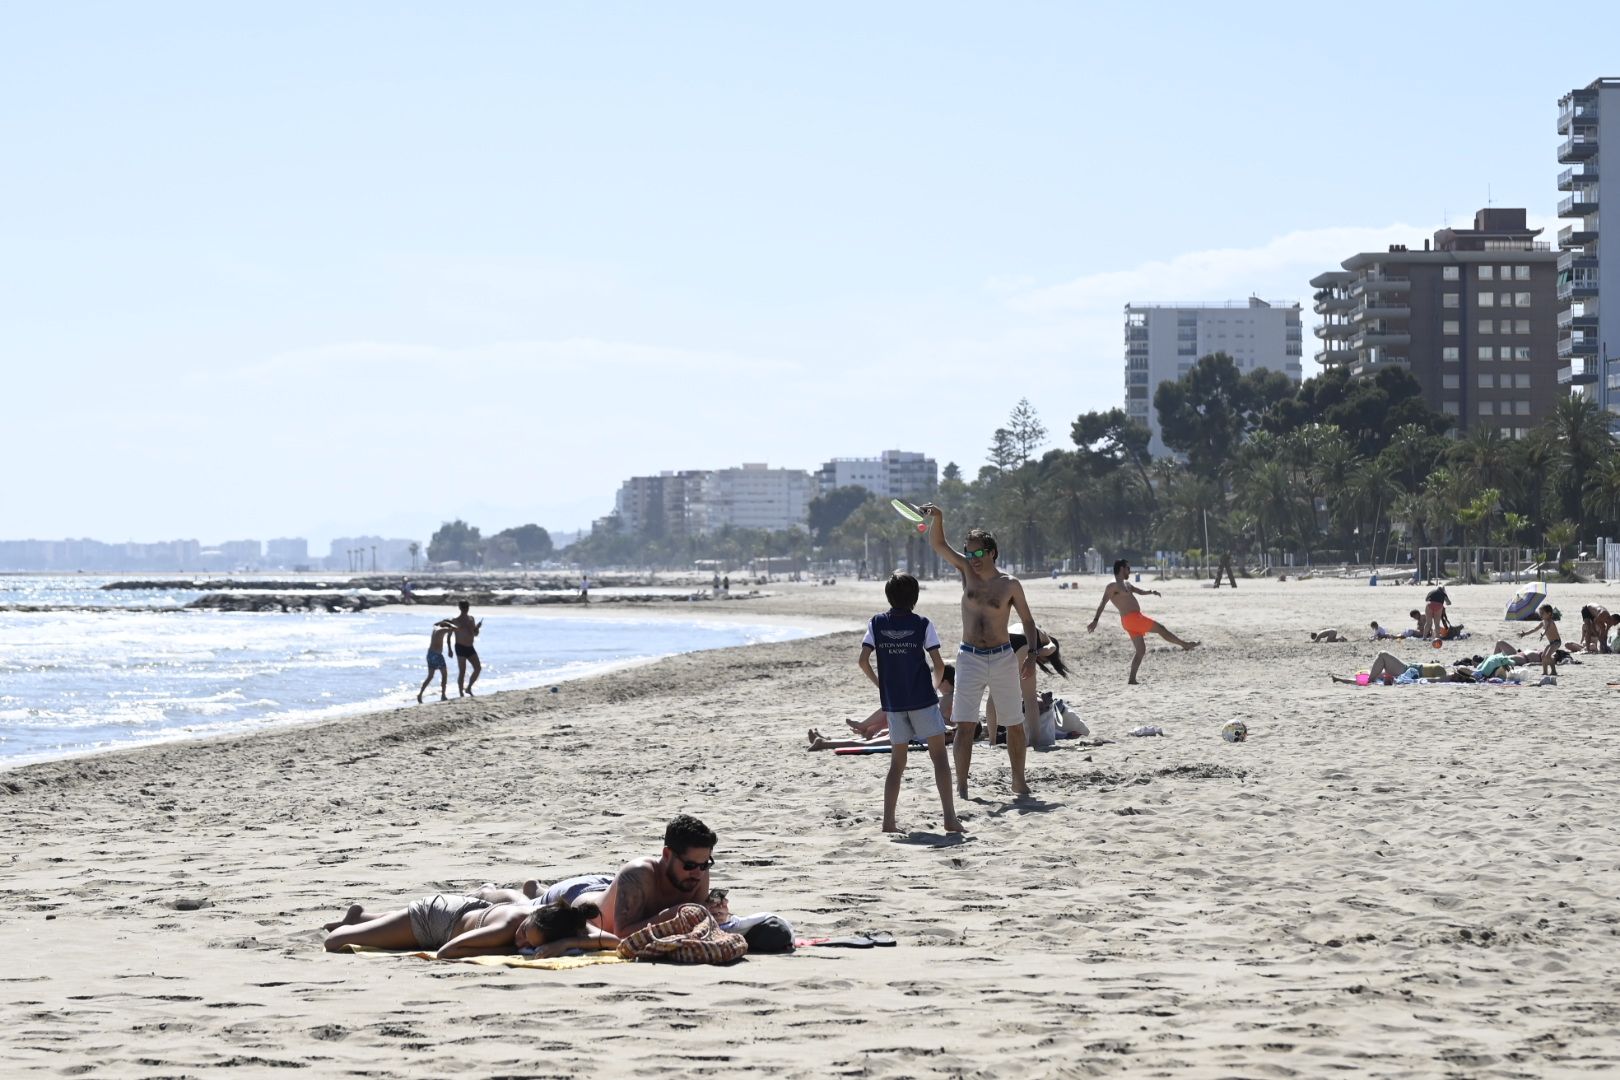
point(1235, 731)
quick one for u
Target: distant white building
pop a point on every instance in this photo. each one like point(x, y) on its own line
point(754, 496)
point(1163, 341)
point(241, 554)
point(359, 553)
point(894, 473)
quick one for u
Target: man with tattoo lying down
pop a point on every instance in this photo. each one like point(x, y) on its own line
point(644, 889)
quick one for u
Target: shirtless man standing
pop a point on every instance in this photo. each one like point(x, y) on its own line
point(435, 660)
point(1139, 626)
point(986, 660)
point(466, 629)
point(643, 890)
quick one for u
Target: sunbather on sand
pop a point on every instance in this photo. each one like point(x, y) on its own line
point(1328, 634)
point(457, 926)
point(818, 741)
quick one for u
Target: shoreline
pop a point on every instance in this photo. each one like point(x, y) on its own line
point(362, 710)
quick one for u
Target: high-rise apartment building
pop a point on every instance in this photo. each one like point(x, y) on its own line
point(1472, 318)
point(1588, 317)
point(1163, 341)
point(659, 506)
point(894, 473)
point(287, 552)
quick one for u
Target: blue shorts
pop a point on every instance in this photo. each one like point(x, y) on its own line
point(436, 660)
point(915, 725)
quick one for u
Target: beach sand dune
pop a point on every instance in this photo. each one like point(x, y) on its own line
point(1380, 882)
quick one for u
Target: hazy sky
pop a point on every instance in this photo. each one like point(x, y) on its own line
point(324, 269)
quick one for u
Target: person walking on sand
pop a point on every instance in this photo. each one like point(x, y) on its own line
point(466, 653)
point(435, 661)
point(584, 588)
point(986, 661)
point(1122, 594)
point(906, 644)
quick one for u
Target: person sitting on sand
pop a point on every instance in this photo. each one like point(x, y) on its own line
point(1123, 595)
point(457, 926)
point(1049, 658)
point(1596, 622)
point(1328, 634)
point(1380, 634)
point(1421, 630)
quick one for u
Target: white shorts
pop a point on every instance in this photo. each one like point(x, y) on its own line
point(998, 674)
point(915, 725)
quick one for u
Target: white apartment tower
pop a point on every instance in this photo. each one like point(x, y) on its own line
point(1164, 340)
point(1588, 317)
point(903, 473)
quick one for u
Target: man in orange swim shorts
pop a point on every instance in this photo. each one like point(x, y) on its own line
point(1123, 595)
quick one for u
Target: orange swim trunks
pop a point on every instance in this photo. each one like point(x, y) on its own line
point(1136, 624)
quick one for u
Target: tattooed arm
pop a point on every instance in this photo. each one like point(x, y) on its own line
point(633, 893)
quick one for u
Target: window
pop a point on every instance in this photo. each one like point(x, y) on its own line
point(1486, 326)
point(1521, 408)
point(1487, 299)
point(1487, 382)
point(1486, 272)
point(1521, 299)
point(1448, 299)
point(1450, 326)
point(1450, 353)
point(1485, 352)
point(1521, 273)
point(1487, 408)
point(1449, 408)
point(1449, 382)
point(1449, 273)
point(1523, 326)
point(1521, 381)
point(1521, 352)
point(1507, 326)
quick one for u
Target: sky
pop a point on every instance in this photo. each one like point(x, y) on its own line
point(334, 269)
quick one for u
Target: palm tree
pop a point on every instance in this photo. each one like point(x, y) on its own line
point(415, 549)
point(1581, 431)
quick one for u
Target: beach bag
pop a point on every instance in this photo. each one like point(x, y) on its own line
point(1043, 732)
point(1068, 721)
point(690, 936)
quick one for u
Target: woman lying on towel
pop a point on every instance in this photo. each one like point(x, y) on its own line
point(455, 926)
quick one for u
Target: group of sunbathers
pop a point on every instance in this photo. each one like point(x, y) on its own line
point(579, 914)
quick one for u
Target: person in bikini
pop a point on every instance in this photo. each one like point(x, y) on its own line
point(456, 926)
point(1122, 594)
point(466, 629)
point(985, 660)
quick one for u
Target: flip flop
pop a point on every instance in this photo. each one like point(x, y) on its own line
point(881, 938)
point(852, 941)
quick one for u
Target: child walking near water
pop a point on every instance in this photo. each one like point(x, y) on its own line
point(906, 644)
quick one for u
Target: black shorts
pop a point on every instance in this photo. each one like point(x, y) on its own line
point(466, 652)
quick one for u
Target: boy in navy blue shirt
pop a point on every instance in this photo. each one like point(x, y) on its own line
point(906, 644)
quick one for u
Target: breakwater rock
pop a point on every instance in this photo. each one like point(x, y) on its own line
point(343, 602)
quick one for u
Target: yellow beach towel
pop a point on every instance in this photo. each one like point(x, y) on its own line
point(560, 963)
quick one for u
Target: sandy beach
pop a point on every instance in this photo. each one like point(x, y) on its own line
point(1416, 881)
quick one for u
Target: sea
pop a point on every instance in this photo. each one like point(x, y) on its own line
point(101, 669)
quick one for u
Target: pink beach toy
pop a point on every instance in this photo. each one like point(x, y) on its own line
point(1362, 678)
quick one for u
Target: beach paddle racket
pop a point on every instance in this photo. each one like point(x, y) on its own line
point(910, 513)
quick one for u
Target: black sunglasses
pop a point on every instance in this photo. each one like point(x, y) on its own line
point(690, 865)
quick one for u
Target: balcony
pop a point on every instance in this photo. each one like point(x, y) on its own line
point(1578, 109)
point(1581, 204)
point(1334, 355)
point(1572, 236)
point(1576, 374)
point(1576, 259)
point(1380, 284)
point(1570, 319)
point(1382, 309)
point(1380, 337)
point(1577, 148)
point(1570, 179)
point(1578, 288)
point(1334, 331)
point(1576, 344)
point(1326, 304)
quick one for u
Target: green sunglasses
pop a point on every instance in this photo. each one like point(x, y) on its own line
point(979, 554)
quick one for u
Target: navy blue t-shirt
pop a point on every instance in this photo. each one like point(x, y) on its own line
point(901, 640)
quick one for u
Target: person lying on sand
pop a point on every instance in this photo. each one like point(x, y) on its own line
point(818, 741)
point(1328, 634)
point(457, 926)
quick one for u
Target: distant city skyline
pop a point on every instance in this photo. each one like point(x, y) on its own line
point(486, 263)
